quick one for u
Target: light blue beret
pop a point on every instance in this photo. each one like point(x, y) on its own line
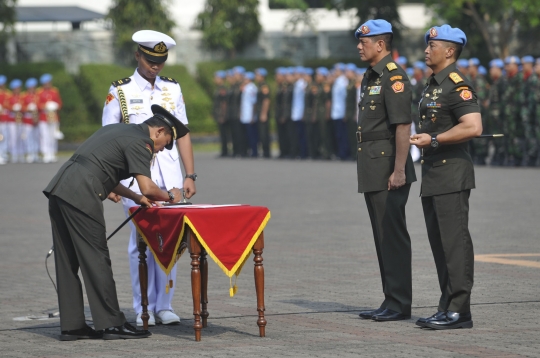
point(420, 65)
point(496, 63)
point(249, 75)
point(527, 59)
point(220, 74)
point(373, 28)
point(361, 70)
point(322, 71)
point(16, 83)
point(462, 63)
point(45, 78)
point(31, 82)
point(446, 33)
point(339, 66)
point(239, 69)
point(482, 70)
point(474, 62)
point(409, 71)
point(3, 80)
point(512, 59)
point(261, 71)
point(308, 71)
point(401, 60)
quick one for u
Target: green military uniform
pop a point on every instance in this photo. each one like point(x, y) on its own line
point(219, 111)
point(528, 117)
point(417, 89)
point(312, 124)
point(479, 148)
point(494, 120)
point(447, 177)
point(351, 109)
point(386, 102)
point(325, 123)
point(283, 103)
point(264, 127)
point(113, 153)
point(234, 97)
point(512, 122)
point(534, 110)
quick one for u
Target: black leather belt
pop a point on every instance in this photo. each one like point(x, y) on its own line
point(371, 136)
point(96, 170)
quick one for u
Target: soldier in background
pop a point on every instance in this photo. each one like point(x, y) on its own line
point(339, 100)
point(402, 62)
point(30, 135)
point(512, 103)
point(49, 103)
point(219, 112)
point(262, 110)
point(15, 114)
point(313, 133)
point(298, 127)
point(285, 121)
point(535, 110)
point(233, 111)
point(495, 110)
point(479, 148)
point(463, 66)
point(4, 95)
point(351, 109)
point(529, 137)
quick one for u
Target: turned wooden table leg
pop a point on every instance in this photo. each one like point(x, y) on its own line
point(259, 282)
point(195, 253)
point(204, 288)
point(143, 281)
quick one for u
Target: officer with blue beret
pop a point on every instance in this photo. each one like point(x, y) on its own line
point(384, 165)
point(449, 118)
point(402, 61)
point(219, 111)
point(262, 110)
point(479, 148)
point(529, 93)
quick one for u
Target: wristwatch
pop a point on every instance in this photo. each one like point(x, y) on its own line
point(171, 196)
point(434, 142)
point(192, 176)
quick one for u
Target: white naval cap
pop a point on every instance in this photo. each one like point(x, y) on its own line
point(154, 45)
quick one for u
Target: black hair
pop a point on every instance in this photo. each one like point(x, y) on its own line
point(387, 38)
point(155, 122)
point(457, 49)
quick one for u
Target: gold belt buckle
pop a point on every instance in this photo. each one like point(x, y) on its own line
point(359, 137)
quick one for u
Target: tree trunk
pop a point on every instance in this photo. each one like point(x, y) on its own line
point(482, 26)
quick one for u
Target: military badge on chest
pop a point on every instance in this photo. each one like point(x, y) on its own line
point(374, 90)
point(436, 91)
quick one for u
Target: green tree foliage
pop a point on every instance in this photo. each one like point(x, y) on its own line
point(229, 25)
point(130, 16)
point(491, 23)
point(7, 22)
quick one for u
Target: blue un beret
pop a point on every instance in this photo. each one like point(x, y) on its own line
point(350, 67)
point(420, 65)
point(496, 63)
point(308, 71)
point(45, 78)
point(16, 83)
point(401, 60)
point(322, 71)
point(462, 63)
point(482, 70)
point(446, 33)
point(261, 71)
point(339, 66)
point(31, 82)
point(474, 62)
point(3, 80)
point(361, 70)
point(512, 59)
point(527, 59)
point(409, 71)
point(220, 74)
point(373, 28)
point(249, 75)
point(239, 69)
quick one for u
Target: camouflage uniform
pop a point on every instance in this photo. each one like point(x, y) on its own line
point(325, 123)
point(312, 125)
point(494, 120)
point(512, 123)
point(479, 148)
point(531, 87)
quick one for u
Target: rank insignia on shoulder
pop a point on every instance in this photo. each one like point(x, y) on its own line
point(455, 77)
point(398, 87)
point(121, 82)
point(109, 98)
point(149, 148)
point(462, 88)
point(391, 66)
point(466, 95)
point(396, 78)
point(168, 79)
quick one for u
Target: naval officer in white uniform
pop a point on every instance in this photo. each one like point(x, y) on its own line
point(129, 101)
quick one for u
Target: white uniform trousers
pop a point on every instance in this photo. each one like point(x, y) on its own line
point(47, 142)
point(4, 141)
point(15, 145)
point(158, 299)
point(29, 142)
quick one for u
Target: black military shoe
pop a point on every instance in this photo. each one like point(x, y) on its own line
point(389, 315)
point(370, 313)
point(451, 320)
point(83, 333)
point(422, 321)
point(125, 331)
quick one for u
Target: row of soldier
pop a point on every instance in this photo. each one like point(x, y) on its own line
point(316, 110)
point(29, 127)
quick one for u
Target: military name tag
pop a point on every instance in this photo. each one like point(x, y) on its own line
point(133, 101)
point(375, 90)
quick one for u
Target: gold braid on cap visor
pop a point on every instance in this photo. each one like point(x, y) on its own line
point(152, 53)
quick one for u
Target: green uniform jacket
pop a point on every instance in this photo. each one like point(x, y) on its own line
point(448, 97)
point(112, 153)
point(385, 102)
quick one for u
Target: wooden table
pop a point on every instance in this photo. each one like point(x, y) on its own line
point(199, 282)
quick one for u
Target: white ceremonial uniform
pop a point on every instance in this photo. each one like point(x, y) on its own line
point(165, 169)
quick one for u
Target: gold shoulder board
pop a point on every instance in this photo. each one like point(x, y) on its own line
point(121, 82)
point(455, 78)
point(391, 66)
point(168, 79)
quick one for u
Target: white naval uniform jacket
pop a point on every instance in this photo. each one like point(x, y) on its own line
point(140, 96)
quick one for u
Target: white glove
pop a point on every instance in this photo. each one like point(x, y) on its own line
point(16, 107)
point(51, 106)
point(31, 107)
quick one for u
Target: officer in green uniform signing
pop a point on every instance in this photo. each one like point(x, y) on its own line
point(114, 152)
point(385, 167)
point(449, 118)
